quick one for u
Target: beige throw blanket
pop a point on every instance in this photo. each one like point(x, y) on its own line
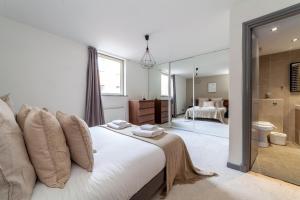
point(179, 166)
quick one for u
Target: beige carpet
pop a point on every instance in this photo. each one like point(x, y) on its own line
point(281, 162)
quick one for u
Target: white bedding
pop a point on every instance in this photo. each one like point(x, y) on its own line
point(206, 112)
point(123, 165)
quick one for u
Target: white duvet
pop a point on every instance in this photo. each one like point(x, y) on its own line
point(123, 165)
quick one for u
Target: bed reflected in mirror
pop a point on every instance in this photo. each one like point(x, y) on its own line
point(199, 98)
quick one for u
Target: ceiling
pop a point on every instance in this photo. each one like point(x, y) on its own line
point(178, 28)
point(210, 64)
point(280, 40)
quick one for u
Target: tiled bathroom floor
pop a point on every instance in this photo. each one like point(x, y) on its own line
point(281, 162)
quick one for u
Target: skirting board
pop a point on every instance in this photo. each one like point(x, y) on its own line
point(236, 167)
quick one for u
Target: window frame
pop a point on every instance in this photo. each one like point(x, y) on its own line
point(122, 74)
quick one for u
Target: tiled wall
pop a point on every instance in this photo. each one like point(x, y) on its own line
point(274, 78)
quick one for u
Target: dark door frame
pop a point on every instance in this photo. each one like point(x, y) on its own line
point(247, 74)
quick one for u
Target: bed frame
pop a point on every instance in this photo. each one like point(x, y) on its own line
point(152, 187)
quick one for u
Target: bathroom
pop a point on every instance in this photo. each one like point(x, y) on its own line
point(276, 100)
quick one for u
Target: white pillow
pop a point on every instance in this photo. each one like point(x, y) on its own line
point(208, 104)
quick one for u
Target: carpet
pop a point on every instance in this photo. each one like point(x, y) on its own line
point(281, 162)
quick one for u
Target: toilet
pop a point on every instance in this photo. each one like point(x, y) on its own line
point(263, 129)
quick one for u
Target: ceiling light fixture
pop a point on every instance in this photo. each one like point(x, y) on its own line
point(147, 59)
point(295, 40)
point(274, 29)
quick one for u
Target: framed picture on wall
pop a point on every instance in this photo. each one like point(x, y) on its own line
point(212, 87)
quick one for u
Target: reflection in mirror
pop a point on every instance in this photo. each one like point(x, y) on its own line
point(200, 96)
point(159, 91)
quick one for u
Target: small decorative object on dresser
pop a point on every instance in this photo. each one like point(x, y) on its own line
point(161, 111)
point(141, 112)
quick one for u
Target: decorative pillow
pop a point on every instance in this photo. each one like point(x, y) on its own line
point(78, 138)
point(7, 99)
point(218, 102)
point(22, 114)
point(47, 148)
point(201, 101)
point(208, 104)
point(17, 176)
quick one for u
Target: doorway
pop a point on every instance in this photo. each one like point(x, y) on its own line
point(270, 144)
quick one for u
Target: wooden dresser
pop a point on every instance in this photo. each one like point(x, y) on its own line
point(141, 112)
point(161, 111)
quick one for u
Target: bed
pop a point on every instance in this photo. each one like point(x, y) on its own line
point(211, 112)
point(120, 171)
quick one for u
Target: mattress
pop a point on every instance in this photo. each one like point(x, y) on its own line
point(123, 165)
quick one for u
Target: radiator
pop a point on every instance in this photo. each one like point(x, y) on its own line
point(114, 112)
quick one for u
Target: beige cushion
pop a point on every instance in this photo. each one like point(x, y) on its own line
point(22, 114)
point(17, 176)
point(218, 102)
point(201, 100)
point(78, 139)
point(7, 99)
point(47, 148)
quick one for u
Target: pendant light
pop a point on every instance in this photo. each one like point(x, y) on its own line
point(147, 59)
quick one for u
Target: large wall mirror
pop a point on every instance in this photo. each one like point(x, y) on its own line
point(200, 93)
point(192, 93)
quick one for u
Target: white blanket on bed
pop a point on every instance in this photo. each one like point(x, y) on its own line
point(206, 112)
point(123, 165)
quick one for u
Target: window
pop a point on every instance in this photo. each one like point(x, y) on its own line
point(164, 81)
point(111, 71)
point(164, 85)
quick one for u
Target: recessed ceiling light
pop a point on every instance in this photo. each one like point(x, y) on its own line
point(295, 40)
point(274, 29)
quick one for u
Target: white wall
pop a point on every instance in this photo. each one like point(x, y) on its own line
point(45, 70)
point(137, 80)
point(154, 83)
point(243, 11)
point(42, 69)
point(180, 94)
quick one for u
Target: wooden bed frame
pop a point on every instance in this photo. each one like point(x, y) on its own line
point(152, 187)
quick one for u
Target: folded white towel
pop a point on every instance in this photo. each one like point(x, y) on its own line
point(118, 127)
point(120, 122)
point(149, 127)
point(148, 134)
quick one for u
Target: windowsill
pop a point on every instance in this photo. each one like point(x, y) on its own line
point(114, 95)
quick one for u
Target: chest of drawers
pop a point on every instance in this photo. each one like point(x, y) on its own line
point(161, 111)
point(141, 112)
